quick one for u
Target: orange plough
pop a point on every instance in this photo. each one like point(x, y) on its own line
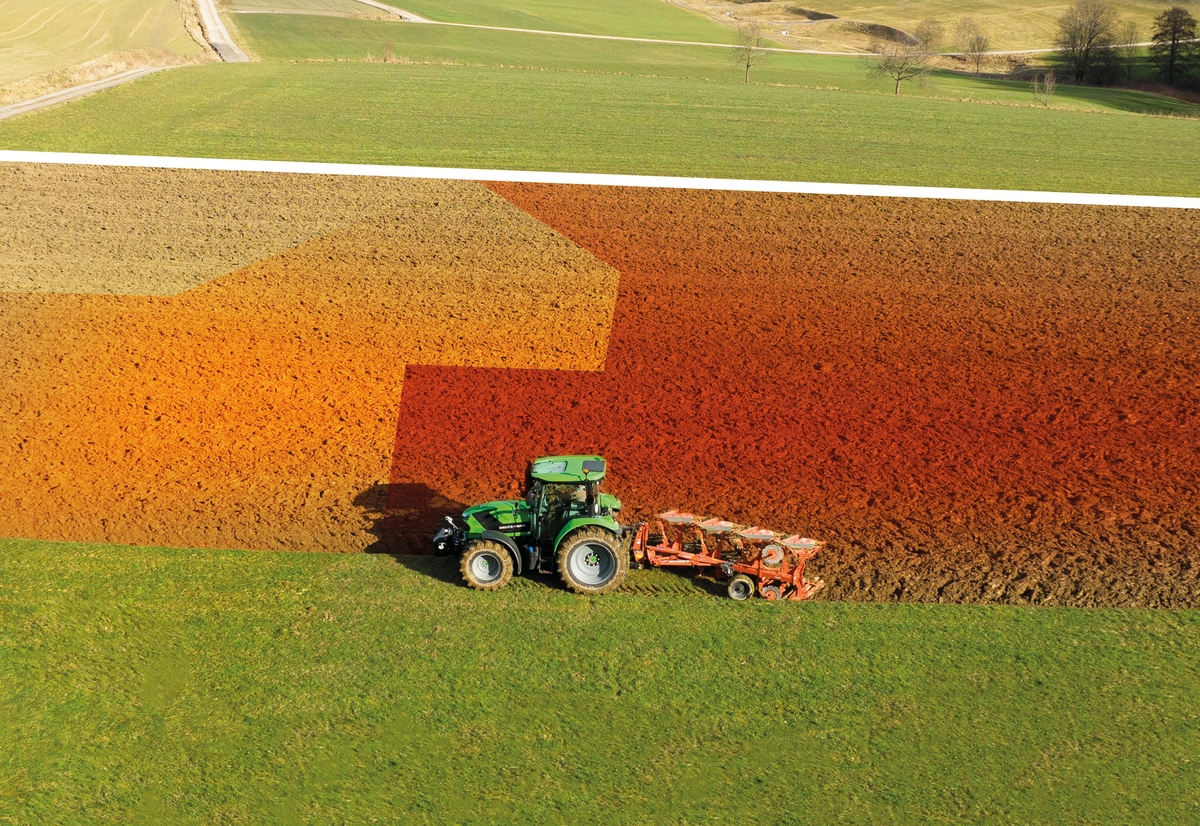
point(752, 559)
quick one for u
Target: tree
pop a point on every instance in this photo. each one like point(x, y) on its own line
point(899, 61)
point(1044, 84)
point(971, 42)
point(1127, 48)
point(930, 34)
point(1084, 32)
point(750, 50)
point(1173, 46)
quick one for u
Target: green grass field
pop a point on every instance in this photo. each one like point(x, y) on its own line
point(290, 37)
point(461, 116)
point(145, 685)
point(623, 18)
point(518, 101)
point(40, 36)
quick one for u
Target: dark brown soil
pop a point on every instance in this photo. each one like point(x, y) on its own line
point(971, 402)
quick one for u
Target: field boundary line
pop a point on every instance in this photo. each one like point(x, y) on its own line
point(602, 179)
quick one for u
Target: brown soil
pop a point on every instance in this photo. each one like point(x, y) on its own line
point(972, 402)
point(77, 229)
point(258, 410)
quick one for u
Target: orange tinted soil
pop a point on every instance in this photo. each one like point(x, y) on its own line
point(972, 402)
point(258, 410)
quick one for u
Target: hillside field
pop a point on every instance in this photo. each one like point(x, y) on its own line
point(145, 685)
point(1008, 24)
point(469, 98)
point(38, 37)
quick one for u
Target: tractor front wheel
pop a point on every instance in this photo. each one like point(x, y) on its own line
point(486, 565)
point(592, 561)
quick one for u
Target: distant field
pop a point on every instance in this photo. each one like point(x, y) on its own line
point(533, 119)
point(1009, 24)
point(347, 7)
point(140, 685)
point(40, 36)
point(290, 37)
point(629, 18)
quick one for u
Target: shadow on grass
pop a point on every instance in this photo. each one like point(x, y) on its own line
point(1100, 97)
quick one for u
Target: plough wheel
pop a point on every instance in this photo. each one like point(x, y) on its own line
point(592, 561)
point(740, 587)
point(771, 592)
point(486, 565)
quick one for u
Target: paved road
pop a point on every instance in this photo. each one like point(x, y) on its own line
point(217, 34)
point(75, 92)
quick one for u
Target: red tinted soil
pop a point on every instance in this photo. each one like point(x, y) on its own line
point(971, 402)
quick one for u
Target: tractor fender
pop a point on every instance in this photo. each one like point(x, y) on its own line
point(581, 522)
point(509, 545)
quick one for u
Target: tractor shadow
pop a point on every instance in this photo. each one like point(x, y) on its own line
point(404, 518)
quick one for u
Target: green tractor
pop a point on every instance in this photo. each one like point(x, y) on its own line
point(564, 523)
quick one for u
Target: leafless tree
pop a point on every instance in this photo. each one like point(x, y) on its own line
point(971, 42)
point(751, 49)
point(1127, 48)
point(930, 34)
point(1044, 84)
point(899, 61)
point(1084, 32)
point(1173, 48)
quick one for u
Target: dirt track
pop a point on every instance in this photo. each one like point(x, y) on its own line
point(972, 402)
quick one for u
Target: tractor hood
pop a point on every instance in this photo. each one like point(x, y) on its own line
point(500, 515)
point(496, 508)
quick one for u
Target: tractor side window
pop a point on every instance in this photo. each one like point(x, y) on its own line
point(534, 493)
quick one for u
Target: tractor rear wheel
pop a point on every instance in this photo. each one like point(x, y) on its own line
point(592, 561)
point(486, 565)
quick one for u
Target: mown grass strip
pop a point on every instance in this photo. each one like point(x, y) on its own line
point(194, 686)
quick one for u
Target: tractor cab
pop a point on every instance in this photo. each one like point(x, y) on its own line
point(563, 488)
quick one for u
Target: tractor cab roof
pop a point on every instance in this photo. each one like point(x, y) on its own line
point(558, 469)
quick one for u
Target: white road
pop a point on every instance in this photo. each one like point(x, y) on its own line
point(217, 34)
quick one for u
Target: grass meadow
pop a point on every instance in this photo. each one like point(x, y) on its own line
point(622, 18)
point(142, 685)
point(486, 117)
point(489, 99)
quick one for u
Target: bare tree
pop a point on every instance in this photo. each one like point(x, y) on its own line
point(1084, 32)
point(750, 49)
point(971, 42)
point(1174, 49)
point(1127, 48)
point(1044, 84)
point(899, 61)
point(930, 34)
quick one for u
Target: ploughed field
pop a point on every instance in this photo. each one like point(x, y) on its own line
point(971, 402)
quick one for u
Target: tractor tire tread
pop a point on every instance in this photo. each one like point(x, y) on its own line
point(594, 533)
point(506, 563)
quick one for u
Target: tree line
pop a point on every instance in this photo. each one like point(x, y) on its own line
point(1096, 46)
point(1093, 45)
